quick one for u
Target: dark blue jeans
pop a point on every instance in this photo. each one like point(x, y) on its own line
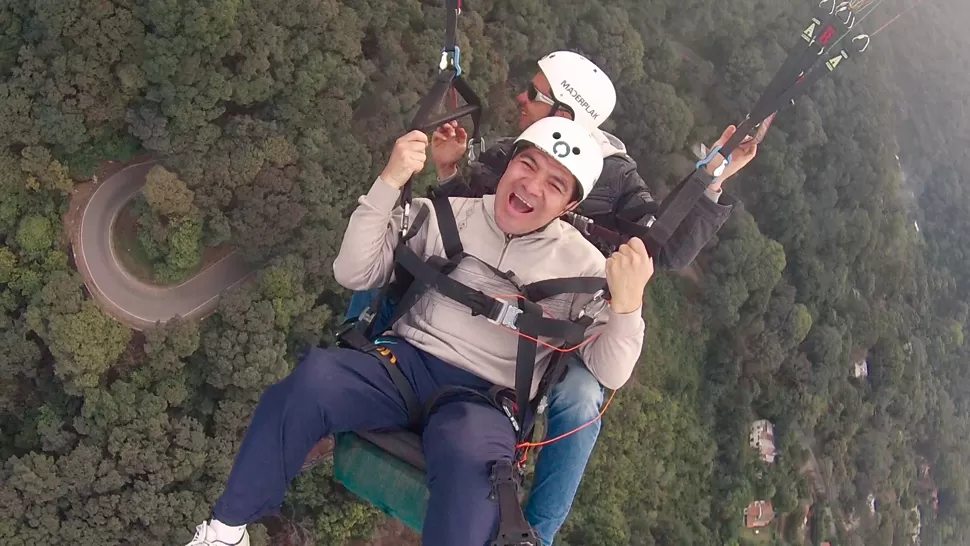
point(337, 390)
point(559, 469)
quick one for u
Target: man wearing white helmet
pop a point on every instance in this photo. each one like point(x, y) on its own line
point(554, 166)
point(570, 85)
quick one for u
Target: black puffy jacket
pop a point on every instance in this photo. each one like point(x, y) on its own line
point(619, 188)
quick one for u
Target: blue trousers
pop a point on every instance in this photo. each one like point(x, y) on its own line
point(336, 390)
point(559, 469)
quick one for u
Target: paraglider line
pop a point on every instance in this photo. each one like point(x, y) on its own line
point(900, 14)
point(526, 446)
point(858, 22)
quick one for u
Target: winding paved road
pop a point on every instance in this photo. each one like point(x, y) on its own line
point(138, 304)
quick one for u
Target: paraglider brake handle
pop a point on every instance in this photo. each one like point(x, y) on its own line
point(449, 78)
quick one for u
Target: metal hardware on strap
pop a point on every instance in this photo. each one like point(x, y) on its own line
point(543, 404)
point(451, 60)
point(507, 315)
point(595, 306)
point(578, 221)
point(476, 146)
point(367, 316)
point(405, 222)
point(506, 403)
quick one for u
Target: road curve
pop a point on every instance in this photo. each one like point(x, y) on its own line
point(138, 304)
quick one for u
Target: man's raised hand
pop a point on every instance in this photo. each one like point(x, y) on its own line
point(627, 273)
point(407, 158)
point(742, 155)
point(448, 145)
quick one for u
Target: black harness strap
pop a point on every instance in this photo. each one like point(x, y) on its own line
point(356, 340)
point(513, 529)
point(450, 238)
point(449, 77)
point(525, 363)
point(358, 334)
point(390, 291)
point(546, 289)
point(674, 209)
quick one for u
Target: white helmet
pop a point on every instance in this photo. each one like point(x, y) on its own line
point(571, 145)
point(578, 83)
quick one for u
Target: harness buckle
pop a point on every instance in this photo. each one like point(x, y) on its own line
point(505, 400)
point(580, 222)
point(543, 404)
point(366, 316)
point(594, 307)
point(508, 315)
point(386, 353)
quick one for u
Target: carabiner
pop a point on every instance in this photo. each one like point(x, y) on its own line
point(406, 221)
point(475, 148)
point(451, 59)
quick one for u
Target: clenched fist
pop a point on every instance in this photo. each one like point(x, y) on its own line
point(627, 273)
point(407, 158)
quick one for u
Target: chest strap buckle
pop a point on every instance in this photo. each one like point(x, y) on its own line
point(507, 315)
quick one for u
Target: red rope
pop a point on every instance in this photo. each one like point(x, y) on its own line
point(526, 446)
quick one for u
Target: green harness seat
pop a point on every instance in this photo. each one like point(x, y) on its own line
point(385, 469)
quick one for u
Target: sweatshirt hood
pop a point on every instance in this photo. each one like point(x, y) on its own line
point(610, 145)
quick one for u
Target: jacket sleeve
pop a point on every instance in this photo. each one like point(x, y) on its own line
point(366, 256)
point(615, 349)
point(455, 186)
point(482, 176)
point(692, 235)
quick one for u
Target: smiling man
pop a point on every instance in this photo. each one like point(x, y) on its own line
point(439, 342)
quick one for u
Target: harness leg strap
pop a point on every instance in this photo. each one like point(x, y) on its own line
point(353, 338)
point(389, 361)
point(513, 530)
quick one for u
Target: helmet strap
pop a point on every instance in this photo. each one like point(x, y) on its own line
point(564, 107)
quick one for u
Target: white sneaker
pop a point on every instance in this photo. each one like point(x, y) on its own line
point(206, 536)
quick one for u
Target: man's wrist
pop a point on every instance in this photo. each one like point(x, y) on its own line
point(623, 308)
point(391, 181)
point(447, 172)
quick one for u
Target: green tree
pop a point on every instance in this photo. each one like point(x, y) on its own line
point(166, 194)
point(35, 235)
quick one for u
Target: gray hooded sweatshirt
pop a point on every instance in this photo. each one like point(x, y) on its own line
point(445, 328)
